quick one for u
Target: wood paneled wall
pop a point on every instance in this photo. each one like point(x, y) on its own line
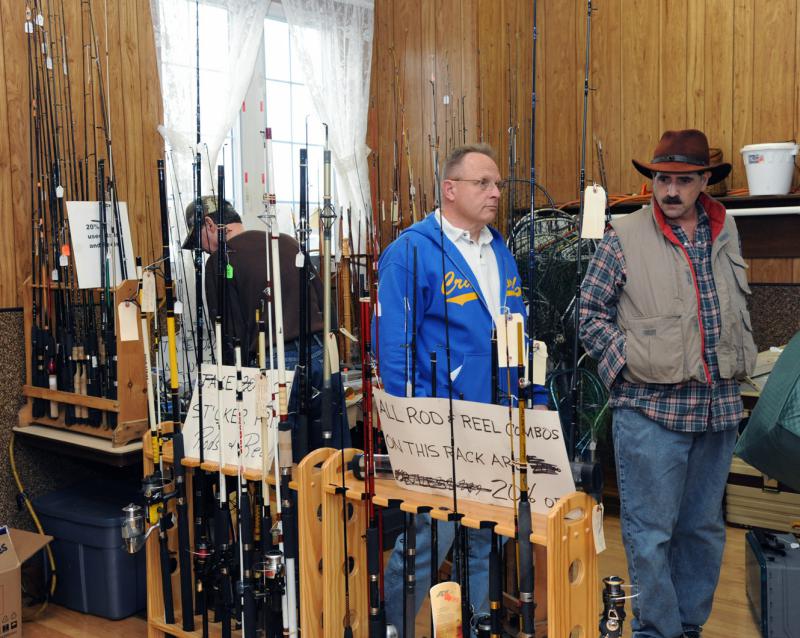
point(729, 67)
point(134, 101)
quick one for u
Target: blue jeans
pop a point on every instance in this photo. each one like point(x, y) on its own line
point(478, 561)
point(340, 432)
point(671, 486)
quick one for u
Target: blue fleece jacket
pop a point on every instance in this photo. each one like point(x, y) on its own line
point(470, 320)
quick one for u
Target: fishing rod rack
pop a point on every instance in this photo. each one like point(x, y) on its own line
point(566, 560)
point(130, 406)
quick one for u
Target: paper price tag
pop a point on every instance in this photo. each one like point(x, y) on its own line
point(539, 362)
point(507, 342)
point(333, 352)
point(594, 212)
point(597, 528)
point(299, 259)
point(446, 610)
point(128, 330)
point(148, 291)
point(177, 308)
point(263, 398)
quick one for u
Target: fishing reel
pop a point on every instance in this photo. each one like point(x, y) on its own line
point(132, 528)
point(270, 580)
point(481, 625)
point(613, 607)
point(156, 496)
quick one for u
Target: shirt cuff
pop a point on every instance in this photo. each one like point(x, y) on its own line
point(613, 361)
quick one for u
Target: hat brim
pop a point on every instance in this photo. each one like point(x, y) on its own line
point(718, 171)
point(189, 243)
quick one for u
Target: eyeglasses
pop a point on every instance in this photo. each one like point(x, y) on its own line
point(484, 184)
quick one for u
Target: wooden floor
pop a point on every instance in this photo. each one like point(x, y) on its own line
point(730, 618)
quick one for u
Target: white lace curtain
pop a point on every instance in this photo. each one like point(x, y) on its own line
point(333, 41)
point(232, 54)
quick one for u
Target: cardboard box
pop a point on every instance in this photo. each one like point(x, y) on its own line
point(16, 546)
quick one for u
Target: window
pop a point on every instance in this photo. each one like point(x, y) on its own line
point(294, 123)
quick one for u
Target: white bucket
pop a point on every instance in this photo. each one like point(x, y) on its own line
point(769, 167)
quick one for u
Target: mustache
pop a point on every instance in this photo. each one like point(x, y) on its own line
point(672, 200)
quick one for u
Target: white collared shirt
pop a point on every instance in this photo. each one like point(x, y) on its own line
point(481, 259)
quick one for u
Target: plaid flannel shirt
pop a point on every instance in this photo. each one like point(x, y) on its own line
point(692, 406)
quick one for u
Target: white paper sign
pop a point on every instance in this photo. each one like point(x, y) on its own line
point(251, 424)
point(84, 230)
point(417, 434)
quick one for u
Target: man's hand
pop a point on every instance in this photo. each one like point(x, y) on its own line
point(540, 406)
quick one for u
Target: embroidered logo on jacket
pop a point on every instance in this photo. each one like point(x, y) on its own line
point(457, 290)
point(513, 289)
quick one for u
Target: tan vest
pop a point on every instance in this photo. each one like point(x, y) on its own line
point(658, 307)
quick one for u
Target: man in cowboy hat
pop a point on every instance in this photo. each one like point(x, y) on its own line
point(663, 310)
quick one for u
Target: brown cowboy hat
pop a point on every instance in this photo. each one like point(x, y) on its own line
point(683, 151)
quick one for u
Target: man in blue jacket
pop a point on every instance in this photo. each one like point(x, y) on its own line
point(479, 282)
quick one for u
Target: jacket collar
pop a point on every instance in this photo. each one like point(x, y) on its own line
point(429, 227)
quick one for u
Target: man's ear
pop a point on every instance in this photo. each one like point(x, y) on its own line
point(705, 177)
point(209, 223)
point(448, 190)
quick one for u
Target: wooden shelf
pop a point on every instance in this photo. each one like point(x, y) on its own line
point(130, 406)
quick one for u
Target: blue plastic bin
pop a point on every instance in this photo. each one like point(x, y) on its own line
point(95, 574)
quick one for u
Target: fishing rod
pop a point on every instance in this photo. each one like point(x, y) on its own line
point(286, 513)
point(47, 154)
point(434, 522)
point(327, 216)
point(179, 472)
point(573, 425)
point(38, 334)
point(72, 148)
point(495, 546)
point(154, 485)
point(221, 522)
point(303, 370)
point(202, 479)
point(524, 545)
point(247, 601)
point(409, 558)
point(105, 373)
point(377, 612)
point(532, 212)
point(458, 558)
point(274, 559)
point(270, 568)
point(105, 116)
point(512, 139)
point(395, 207)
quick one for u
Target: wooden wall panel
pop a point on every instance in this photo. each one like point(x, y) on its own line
point(133, 100)
point(607, 84)
point(7, 252)
point(718, 79)
point(774, 74)
point(655, 65)
point(772, 271)
point(640, 119)
point(742, 90)
point(673, 63)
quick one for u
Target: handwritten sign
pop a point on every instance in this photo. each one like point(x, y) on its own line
point(226, 408)
point(84, 231)
point(417, 434)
